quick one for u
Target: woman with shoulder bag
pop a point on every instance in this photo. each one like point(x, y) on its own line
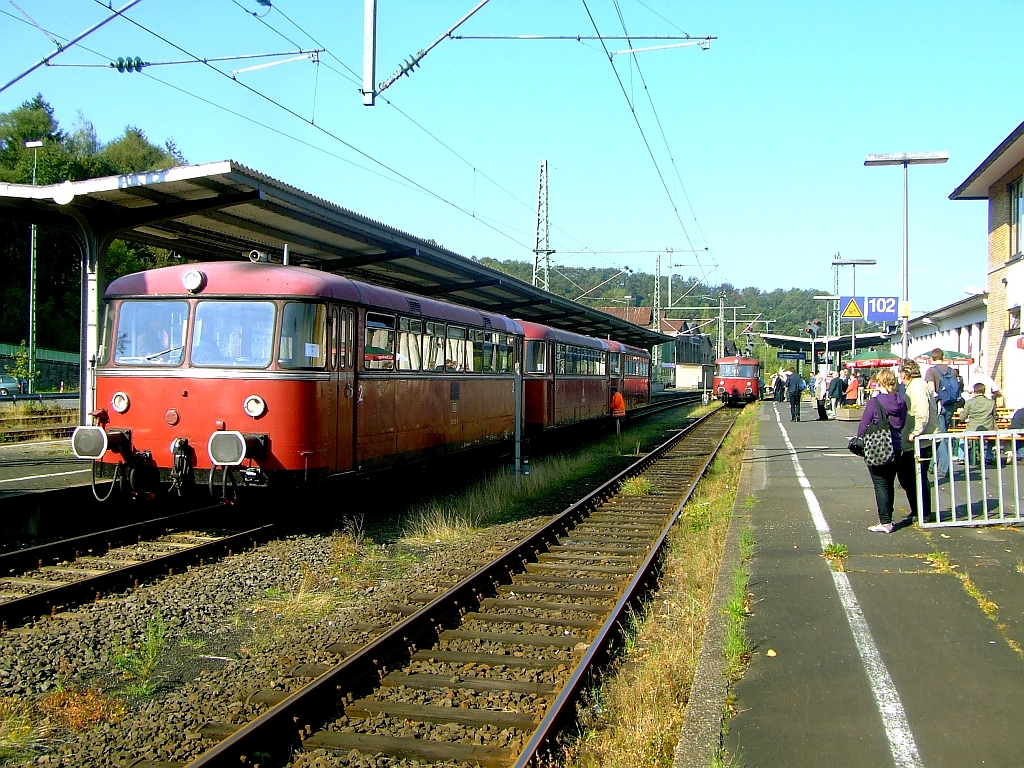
point(880, 426)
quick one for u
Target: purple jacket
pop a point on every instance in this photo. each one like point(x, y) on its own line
point(895, 408)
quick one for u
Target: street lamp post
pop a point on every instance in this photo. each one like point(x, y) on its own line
point(905, 159)
point(34, 146)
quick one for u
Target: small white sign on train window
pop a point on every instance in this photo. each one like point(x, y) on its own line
point(312, 350)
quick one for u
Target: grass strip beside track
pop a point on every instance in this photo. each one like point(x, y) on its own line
point(634, 717)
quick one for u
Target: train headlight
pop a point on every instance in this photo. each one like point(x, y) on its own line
point(255, 406)
point(193, 280)
point(120, 402)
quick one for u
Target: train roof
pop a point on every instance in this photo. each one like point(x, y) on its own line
point(538, 331)
point(236, 279)
point(618, 346)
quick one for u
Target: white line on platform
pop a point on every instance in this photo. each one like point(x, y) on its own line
point(816, 447)
point(42, 477)
point(842, 455)
point(894, 718)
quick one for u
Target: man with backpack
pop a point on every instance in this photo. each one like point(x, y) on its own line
point(943, 381)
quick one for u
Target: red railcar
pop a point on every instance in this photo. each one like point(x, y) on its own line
point(291, 373)
point(737, 380)
point(568, 377)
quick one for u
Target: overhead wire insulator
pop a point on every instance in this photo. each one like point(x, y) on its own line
point(128, 64)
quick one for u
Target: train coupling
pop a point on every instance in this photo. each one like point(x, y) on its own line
point(229, 448)
point(94, 442)
point(253, 475)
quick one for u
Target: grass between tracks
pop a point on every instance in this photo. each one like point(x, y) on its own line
point(502, 497)
point(634, 717)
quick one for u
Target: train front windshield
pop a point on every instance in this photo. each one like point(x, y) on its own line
point(151, 333)
point(733, 371)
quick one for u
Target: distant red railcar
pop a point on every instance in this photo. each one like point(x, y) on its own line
point(291, 375)
point(737, 380)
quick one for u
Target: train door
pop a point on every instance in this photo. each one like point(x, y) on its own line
point(344, 349)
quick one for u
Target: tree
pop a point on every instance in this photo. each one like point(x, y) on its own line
point(76, 155)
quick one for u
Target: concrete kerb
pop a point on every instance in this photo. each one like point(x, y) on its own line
point(701, 734)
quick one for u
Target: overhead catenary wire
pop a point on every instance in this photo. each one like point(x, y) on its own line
point(661, 129)
point(354, 78)
point(61, 48)
point(636, 119)
point(320, 128)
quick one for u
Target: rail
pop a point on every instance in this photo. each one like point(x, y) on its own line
point(72, 558)
point(643, 528)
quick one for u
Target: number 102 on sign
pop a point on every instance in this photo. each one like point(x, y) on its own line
point(882, 309)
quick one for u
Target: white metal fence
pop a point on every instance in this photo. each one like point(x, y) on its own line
point(983, 485)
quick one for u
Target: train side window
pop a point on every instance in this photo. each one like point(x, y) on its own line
point(108, 332)
point(335, 337)
point(507, 354)
point(601, 363)
point(456, 353)
point(536, 356)
point(349, 350)
point(476, 360)
point(151, 333)
point(379, 347)
point(490, 352)
point(560, 359)
point(303, 335)
point(410, 344)
point(433, 347)
point(613, 364)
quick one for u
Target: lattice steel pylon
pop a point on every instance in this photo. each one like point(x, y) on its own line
point(542, 241)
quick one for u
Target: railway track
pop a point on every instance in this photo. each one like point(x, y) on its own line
point(488, 671)
point(40, 580)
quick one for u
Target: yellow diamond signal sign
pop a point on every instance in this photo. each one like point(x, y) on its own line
point(852, 307)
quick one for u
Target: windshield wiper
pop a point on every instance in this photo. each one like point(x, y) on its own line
point(163, 352)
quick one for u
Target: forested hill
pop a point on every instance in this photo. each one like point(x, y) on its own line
point(790, 309)
point(75, 154)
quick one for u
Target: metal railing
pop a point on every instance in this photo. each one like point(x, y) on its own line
point(983, 485)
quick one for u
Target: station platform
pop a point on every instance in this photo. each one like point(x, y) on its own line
point(892, 661)
point(41, 465)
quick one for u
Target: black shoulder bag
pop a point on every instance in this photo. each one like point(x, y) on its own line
point(878, 439)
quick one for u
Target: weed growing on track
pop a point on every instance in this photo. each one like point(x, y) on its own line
point(21, 731)
point(500, 497)
point(636, 486)
point(634, 718)
point(139, 662)
point(79, 709)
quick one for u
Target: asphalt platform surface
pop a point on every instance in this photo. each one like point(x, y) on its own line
point(892, 662)
point(42, 465)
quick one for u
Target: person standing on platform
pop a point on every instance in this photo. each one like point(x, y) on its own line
point(944, 384)
point(820, 392)
point(922, 416)
point(837, 391)
point(980, 415)
point(795, 385)
point(618, 409)
point(780, 386)
point(852, 389)
point(891, 407)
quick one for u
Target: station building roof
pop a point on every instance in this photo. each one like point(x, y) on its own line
point(835, 343)
point(224, 210)
point(1000, 162)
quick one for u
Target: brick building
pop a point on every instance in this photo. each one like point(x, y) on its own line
point(1000, 180)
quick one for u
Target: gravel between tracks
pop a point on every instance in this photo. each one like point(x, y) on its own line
point(223, 640)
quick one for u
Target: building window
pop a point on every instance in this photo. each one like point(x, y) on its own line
point(1016, 216)
point(1013, 321)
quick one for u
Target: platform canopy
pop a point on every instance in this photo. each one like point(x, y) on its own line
point(224, 210)
point(834, 343)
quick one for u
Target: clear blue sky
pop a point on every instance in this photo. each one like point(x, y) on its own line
point(769, 128)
